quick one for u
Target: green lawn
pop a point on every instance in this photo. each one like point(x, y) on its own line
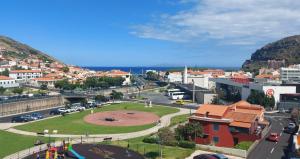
point(179, 119)
point(11, 143)
point(152, 150)
point(74, 124)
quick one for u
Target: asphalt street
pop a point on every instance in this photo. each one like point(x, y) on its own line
point(274, 150)
point(45, 113)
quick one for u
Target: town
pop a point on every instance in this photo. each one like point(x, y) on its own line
point(182, 79)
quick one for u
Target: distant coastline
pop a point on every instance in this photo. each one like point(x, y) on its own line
point(141, 69)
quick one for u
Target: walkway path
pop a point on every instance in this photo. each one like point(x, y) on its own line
point(198, 152)
point(165, 121)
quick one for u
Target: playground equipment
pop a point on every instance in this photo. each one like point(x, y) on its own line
point(70, 148)
point(51, 153)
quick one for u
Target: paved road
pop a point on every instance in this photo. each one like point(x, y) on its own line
point(271, 150)
point(7, 119)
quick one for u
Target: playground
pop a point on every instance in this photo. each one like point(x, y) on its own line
point(86, 151)
point(122, 118)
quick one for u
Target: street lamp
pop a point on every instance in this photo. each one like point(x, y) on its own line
point(46, 131)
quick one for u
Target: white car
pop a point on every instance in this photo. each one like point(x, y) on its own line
point(78, 108)
point(63, 110)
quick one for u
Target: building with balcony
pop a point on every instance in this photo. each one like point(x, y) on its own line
point(7, 82)
point(227, 125)
point(25, 75)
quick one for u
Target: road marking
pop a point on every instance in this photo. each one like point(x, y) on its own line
point(272, 150)
point(280, 133)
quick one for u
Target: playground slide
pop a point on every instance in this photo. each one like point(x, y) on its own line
point(76, 154)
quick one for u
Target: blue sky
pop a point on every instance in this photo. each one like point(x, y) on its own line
point(149, 32)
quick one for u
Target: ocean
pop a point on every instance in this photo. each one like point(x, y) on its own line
point(140, 70)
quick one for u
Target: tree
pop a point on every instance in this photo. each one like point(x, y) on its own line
point(188, 131)
point(18, 90)
point(152, 76)
point(261, 98)
point(5, 72)
point(116, 95)
point(44, 87)
point(2, 90)
point(100, 98)
point(65, 69)
point(167, 137)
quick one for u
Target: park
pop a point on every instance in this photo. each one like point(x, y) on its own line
point(114, 120)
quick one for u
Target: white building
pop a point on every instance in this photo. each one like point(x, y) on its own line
point(290, 73)
point(49, 82)
point(25, 75)
point(269, 88)
point(7, 82)
point(175, 77)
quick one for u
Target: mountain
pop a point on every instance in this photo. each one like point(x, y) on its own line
point(14, 49)
point(283, 52)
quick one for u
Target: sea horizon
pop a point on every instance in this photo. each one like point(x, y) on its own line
point(141, 69)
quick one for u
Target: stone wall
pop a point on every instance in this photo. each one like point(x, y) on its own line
point(16, 107)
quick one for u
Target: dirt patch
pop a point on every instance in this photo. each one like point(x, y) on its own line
point(122, 118)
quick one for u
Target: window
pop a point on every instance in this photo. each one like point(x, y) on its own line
point(216, 139)
point(216, 127)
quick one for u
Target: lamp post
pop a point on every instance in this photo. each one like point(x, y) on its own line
point(54, 132)
point(46, 131)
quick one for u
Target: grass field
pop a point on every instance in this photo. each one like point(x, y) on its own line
point(152, 150)
point(74, 123)
point(179, 119)
point(11, 143)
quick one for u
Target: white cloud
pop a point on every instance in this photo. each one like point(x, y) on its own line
point(239, 22)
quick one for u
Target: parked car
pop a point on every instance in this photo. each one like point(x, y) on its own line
point(23, 118)
point(55, 112)
point(64, 110)
point(78, 108)
point(292, 128)
point(37, 116)
point(220, 156)
point(273, 137)
point(205, 156)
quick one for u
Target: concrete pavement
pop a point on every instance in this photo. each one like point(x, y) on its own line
point(198, 152)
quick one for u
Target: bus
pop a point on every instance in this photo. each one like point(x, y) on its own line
point(178, 95)
point(169, 91)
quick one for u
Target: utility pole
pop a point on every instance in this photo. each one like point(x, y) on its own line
point(193, 90)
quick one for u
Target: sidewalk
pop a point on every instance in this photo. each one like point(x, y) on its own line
point(198, 152)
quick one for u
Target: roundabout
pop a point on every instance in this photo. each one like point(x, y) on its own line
point(122, 118)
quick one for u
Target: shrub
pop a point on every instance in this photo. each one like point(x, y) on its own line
point(151, 140)
point(186, 144)
point(244, 145)
point(171, 143)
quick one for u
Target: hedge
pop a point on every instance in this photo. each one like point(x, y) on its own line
point(186, 144)
point(151, 140)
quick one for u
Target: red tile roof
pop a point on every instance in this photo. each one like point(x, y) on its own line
point(25, 71)
point(5, 78)
point(214, 110)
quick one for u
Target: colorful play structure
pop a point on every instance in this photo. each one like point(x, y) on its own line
point(52, 152)
point(70, 148)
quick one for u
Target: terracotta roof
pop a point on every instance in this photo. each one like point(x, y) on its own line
point(240, 124)
point(215, 110)
point(265, 76)
point(241, 117)
point(45, 79)
point(25, 71)
point(5, 78)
